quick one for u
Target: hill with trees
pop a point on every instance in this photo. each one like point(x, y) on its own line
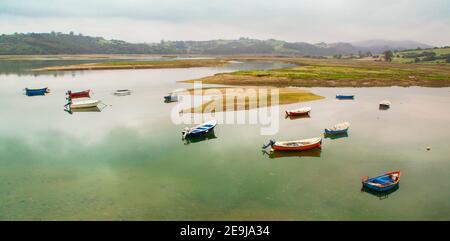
point(70, 43)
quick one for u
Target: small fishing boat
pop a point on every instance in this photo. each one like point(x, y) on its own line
point(84, 104)
point(33, 92)
point(123, 92)
point(299, 112)
point(297, 145)
point(337, 129)
point(385, 104)
point(80, 94)
point(382, 183)
point(345, 97)
point(170, 98)
point(199, 130)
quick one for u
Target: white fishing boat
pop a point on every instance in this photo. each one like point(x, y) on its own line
point(340, 128)
point(123, 92)
point(84, 104)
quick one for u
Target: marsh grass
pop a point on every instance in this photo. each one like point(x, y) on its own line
point(338, 73)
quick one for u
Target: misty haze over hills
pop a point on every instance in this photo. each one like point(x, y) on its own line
point(59, 43)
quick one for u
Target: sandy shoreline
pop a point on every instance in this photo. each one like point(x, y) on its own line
point(250, 98)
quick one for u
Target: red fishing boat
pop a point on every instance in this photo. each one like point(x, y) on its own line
point(81, 94)
point(299, 112)
point(297, 145)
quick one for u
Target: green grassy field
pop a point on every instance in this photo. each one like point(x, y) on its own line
point(339, 73)
point(439, 52)
point(188, 63)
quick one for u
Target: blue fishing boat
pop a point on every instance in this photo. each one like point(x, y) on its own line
point(345, 97)
point(33, 92)
point(382, 183)
point(200, 129)
point(338, 129)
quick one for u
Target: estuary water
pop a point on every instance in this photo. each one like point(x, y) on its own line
point(128, 161)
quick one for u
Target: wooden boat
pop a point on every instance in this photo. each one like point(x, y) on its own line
point(199, 130)
point(84, 104)
point(345, 97)
point(123, 92)
point(385, 104)
point(382, 183)
point(299, 112)
point(33, 92)
point(337, 129)
point(297, 145)
point(80, 94)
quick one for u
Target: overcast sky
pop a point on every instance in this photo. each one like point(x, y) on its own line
point(427, 21)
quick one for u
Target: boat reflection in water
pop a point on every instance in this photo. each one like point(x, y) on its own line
point(380, 195)
point(335, 136)
point(308, 153)
point(90, 109)
point(195, 139)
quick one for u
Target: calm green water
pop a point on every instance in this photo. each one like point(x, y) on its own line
point(128, 162)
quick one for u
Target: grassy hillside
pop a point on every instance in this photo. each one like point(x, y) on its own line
point(60, 43)
point(434, 55)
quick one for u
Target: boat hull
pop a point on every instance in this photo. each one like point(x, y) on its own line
point(200, 133)
point(335, 132)
point(282, 147)
point(81, 94)
point(170, 98)
point(200, 130)
point(84, 105)
point(291, 113)
point(345, 97)
point(34, 92)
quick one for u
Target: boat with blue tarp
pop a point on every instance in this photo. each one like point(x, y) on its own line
point(199, 130)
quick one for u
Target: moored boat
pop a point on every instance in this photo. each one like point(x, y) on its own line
point(385, 104)
point(337, 129)
point(33, 92)
point(123, 92)
point(299, 112)
point(296, 145)
point(382, 183)
point(199, 130)
point(84, 104)
point(345, 97)
point(170, 98)
point(80, 94)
